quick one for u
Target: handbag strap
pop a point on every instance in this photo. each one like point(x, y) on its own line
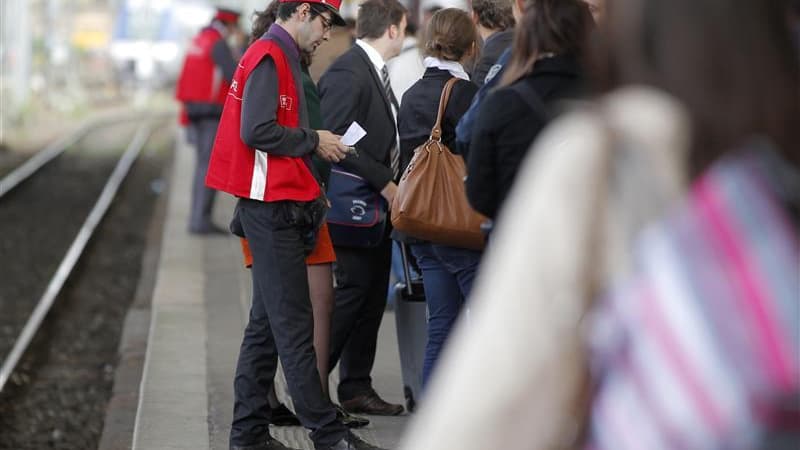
point(436, 132)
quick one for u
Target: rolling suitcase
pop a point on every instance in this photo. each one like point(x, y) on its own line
point(412, 336)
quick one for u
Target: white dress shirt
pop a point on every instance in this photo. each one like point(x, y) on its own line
point(379, 63)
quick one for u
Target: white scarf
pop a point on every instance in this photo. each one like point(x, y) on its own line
point(455, 69)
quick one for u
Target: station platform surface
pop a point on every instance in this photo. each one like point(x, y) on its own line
point(188, 342)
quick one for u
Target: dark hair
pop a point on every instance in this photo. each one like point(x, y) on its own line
point(548, 26)
point(285, 10)
point(262, 20)
point(494, 14)
point(375, 16)
point(730, 62)
point(411, 28)
point(450, 35)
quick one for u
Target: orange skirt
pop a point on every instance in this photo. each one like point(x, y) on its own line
point(322, 253)
point(323, 250)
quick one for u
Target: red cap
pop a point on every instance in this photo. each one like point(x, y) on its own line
point(227, 15)
point(332, 5)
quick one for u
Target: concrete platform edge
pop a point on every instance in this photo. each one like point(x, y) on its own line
point(120, 416)
point(172, 406)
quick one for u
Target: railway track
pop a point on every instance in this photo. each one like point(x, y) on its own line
point(68, 274)
point(78, 245)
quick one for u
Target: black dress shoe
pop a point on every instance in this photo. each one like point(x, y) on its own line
point(281, 416)
point(270, 444)
point(349, 420)
point(371, 403)
point(351, 442)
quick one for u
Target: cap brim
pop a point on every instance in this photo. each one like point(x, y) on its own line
point(337, 19)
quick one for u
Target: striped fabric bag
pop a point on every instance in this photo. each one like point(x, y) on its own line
point(701, 347)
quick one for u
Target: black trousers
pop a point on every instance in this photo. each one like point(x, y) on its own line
point(281, 323)
point(362, 278)
point(203, 133)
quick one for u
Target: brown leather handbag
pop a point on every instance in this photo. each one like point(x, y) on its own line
point(431, 201)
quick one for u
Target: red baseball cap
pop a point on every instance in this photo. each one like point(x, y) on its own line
point(227, 15)
point(332, 5)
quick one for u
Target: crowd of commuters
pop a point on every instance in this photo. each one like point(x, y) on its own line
point(642, 216)
point(641, 286)
point(543, 71)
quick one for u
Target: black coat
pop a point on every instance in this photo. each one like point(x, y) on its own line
point(350, 90)
point(506, 126)
point(420, 105)
point(418, 114)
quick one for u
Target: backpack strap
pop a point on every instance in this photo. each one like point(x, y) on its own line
point(532, 98)
point(436, 132)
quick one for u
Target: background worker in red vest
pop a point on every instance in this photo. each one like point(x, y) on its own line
point(202, 89)
point(262, 154)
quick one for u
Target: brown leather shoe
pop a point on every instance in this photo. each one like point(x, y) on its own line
point(371, 403)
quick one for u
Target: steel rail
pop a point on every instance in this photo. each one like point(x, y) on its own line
point(37, 161)
point(76, 249)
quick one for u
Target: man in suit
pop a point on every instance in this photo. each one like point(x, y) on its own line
point(357, 88)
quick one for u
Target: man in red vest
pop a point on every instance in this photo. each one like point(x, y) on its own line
point(262, 154)
point(202, 88)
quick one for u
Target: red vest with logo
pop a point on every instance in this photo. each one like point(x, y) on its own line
point(200, 79)
point(243, 171)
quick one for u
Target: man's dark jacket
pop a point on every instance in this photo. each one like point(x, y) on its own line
point(494, 46)
point(350, 90)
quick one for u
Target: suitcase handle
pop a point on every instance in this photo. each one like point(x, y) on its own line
point(406, 269)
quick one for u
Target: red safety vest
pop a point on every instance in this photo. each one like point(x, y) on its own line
point(243, 171)
point(200, 79)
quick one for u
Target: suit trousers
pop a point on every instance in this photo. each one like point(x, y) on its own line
point(202, 133)
point(281, 324)
point(362, 280)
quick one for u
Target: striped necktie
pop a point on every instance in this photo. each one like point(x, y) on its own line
point(395, 150)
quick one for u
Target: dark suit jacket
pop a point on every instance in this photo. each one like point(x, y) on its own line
point(351, 90)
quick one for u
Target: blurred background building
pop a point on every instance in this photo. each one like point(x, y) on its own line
point(62, 59)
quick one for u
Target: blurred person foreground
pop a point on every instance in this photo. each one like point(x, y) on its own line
point(641, 289)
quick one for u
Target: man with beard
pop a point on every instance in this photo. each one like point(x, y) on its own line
point(262, 155)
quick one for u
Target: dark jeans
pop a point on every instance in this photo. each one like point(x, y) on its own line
point(362, 278)
point(281, 323)
point(447, 273)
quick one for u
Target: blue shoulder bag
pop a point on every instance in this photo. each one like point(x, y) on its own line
point(357, 217)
